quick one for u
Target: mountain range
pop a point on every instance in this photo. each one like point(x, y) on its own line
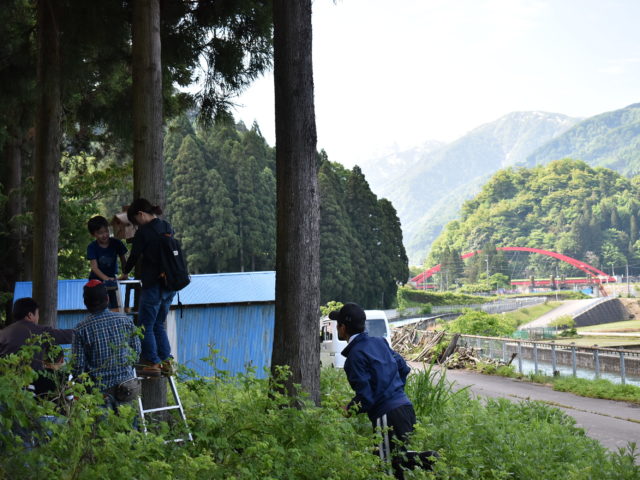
point(428, 184)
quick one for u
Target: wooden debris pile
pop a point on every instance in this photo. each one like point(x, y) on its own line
point(419, 345)
point(466, 357)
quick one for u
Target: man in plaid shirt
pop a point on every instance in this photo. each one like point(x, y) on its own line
point(105, 345)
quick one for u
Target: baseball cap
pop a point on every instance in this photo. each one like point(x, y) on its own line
point(350, 314)
point(94, 293)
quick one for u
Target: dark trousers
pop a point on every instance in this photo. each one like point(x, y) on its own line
point(400, 422)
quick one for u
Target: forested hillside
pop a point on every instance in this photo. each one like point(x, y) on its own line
point(611, 139)
point(221, 200)
point(565, 206)
point(430, 190)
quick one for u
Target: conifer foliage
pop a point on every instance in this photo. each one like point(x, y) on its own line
point(221, 201)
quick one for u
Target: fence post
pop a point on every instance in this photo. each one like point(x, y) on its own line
point(596, 360)
point(553, 359)
point(490, 349)
point(623, 377)
point(535, 358)
point(520, 357)
point(504, 350)
point(573, 359)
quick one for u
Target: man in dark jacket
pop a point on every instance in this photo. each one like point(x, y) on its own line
point(377, 374)
point(25, 325)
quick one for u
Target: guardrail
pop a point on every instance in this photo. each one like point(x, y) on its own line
point(598, 359)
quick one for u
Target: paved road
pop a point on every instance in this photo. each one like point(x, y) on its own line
point(613, 424)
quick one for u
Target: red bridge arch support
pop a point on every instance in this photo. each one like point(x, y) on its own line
point(591, 271)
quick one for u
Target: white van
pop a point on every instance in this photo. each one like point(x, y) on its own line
point(376, 325)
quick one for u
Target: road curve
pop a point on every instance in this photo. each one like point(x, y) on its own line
point(613, 424)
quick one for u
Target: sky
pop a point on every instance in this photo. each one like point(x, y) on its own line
point(395, 74)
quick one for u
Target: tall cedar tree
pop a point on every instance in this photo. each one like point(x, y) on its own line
point(338, 277)
point(191, 214)
point(364, 214)
point(295, 342)
point(47, 161)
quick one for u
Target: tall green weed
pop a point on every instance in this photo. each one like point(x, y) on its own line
point(244, 429)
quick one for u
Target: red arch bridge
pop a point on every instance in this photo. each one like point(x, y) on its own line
point(594, 276)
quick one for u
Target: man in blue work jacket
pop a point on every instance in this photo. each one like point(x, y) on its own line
point(377, 374)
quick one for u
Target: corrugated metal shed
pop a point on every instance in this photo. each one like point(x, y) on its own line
point(242, 335)
point(230, 312)
point(207, 289)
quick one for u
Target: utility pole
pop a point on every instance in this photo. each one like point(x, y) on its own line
point(487, 260)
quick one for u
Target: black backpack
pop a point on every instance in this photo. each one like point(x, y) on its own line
point(174, 274)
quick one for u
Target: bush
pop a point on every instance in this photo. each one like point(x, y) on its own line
point(425, 309)
point(481, 323)
point(409, 297)
point(245, 430)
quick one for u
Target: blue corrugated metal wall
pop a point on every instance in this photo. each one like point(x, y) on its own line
point(242, 333)
point(70, 319)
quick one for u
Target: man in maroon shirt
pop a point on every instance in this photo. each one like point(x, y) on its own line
point(24, 326)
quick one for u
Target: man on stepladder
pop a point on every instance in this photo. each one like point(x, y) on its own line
point(377, 374)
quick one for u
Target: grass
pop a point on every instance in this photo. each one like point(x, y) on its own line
point(599, 388)
point(601, 341)
point(528, 314)
point(627, 326)
point(243, 429)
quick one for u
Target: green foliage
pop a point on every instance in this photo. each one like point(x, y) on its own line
point(86, 185)
point(429, 390)
point(488, 439)
point(244, 429)
point(528, 314)
point(425, 309)
point(599, 388)
point(409, 297)
point(565, 206)
point(330, 307)
point(480, 323)
point(221, 201)
point(565, 321)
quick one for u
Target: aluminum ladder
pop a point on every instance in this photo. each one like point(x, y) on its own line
point(177, 406)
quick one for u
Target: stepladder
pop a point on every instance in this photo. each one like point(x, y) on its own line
point(176, 406)
point(129, 306)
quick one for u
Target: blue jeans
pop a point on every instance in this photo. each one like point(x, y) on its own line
point(154, 307)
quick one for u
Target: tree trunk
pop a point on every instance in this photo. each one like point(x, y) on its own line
point(15, 258)
point(295, 342)
point(148, 165)
point(46, 225)
point(148, 162)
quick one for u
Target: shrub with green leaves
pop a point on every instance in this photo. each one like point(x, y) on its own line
point(244, 429)
point(481, 323)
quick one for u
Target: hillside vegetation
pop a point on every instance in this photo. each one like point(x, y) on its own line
point(610, 140)
point(566, 206)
